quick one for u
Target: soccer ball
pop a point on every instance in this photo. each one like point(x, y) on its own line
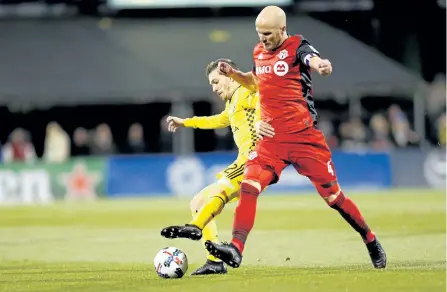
point(171, 262)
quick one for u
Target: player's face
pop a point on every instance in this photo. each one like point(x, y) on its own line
point(220, 84)
point(269, 37)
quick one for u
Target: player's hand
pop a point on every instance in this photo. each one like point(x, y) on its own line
point(324, 67)
point(225, 69)
point(174, 123)
point(264, 129)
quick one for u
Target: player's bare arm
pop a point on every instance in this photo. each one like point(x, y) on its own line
point(246, 79)
point(322, 66)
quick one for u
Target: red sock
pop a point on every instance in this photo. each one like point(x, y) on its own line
point(245, 215)
point(351, 213)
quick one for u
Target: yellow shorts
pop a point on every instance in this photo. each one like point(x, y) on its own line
point(232, 176)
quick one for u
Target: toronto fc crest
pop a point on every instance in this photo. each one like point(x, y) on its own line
point(283, 54)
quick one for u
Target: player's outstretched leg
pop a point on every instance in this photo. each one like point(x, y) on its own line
point(216, 197)
point(346, 207)
point(204, 207)
point(203, 215)
point(231, 253)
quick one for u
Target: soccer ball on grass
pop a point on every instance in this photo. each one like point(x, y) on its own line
point(171, 262)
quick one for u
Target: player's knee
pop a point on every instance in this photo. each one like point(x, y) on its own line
point(221, 190)
point(251, 183)
point(199, 200)
point(226, 185)
point(330, 192)
point(331, 198)
point(258, 176)
point(196, 203)
point(226, 189)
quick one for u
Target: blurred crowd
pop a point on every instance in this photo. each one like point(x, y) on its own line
point(380, 131)
point(59, 146)
point(383, 131)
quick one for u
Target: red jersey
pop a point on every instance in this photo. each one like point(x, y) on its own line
point(285, 86)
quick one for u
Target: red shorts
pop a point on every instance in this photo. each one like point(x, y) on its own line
point(307, 151)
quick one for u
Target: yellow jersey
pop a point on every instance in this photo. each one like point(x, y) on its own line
point(241, 112)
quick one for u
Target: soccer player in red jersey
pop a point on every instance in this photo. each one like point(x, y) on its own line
point(281, 74)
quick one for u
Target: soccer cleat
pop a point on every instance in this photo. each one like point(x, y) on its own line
point(210, 268)
point(188, 231)
point(227, 252)
point(377, 254)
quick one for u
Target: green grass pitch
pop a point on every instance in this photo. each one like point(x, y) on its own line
point(109, 245)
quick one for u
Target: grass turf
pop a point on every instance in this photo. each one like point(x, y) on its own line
point(298, 244)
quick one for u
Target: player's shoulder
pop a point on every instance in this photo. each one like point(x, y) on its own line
point(243, 93)
point(296, 39)
point(243, 96)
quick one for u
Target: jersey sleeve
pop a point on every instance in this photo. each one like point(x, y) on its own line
point(211, 122)
point(305, 51)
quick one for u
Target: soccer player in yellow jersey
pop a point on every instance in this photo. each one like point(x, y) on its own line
point(240, 114)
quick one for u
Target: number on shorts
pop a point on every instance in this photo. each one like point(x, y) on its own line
point(329, 167)
point(230, 168)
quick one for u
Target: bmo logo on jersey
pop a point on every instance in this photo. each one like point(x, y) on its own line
point(263, 70)
point(281, 68)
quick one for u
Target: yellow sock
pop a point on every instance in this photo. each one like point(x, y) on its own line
point(204, 217)
point(209, 232)
point(212, 208)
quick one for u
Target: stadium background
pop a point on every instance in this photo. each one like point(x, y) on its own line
point(85, 87)
point(107, 80)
